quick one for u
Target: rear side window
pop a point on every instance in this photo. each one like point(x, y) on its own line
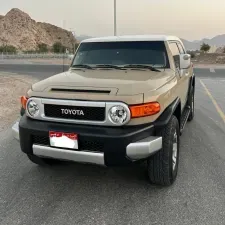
point(182, 51)
point(176, 53)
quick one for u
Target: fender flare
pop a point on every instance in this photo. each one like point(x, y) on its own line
point(191, 84)
point(164, 118)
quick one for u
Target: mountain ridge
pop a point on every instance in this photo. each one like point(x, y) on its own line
point(17, 28)
point(218, 41)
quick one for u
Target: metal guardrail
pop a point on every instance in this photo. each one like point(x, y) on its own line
point(35, 56)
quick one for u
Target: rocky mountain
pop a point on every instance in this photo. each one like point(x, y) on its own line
point(17, 28)
point(191, 45)
point(218, 41)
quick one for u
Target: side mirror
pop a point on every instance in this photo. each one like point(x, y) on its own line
point(185, 61)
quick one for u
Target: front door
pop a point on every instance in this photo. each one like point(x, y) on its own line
point(184, 75)
point(181, 73)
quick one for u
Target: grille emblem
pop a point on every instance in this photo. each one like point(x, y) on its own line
point(72, 112)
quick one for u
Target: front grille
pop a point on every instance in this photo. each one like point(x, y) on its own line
point(78, 113)
point(84, 144)
point(87, 145)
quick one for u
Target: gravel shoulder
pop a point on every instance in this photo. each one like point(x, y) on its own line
point(11, 88)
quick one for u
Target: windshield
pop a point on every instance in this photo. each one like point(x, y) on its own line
point(122, 53)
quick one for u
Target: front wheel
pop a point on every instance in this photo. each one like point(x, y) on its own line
point(163, 166)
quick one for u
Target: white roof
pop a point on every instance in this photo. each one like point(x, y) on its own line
point(133, 38)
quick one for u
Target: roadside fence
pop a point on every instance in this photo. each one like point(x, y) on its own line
point(34, 55)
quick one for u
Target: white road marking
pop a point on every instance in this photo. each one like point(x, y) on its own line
point(212, 70)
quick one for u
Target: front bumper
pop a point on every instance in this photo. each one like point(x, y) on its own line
point(99, 145)
point(15, 130)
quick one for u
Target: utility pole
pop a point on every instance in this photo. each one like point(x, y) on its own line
point(74, 43)
point(63, 46)
point(115, 31)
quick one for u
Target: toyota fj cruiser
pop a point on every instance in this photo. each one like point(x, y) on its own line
point(124, 99)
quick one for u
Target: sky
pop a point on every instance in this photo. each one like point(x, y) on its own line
point(192, 19)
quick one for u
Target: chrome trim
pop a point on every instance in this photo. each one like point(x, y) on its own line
point(69, 155)
point(72, 102)
point(109, 121)
point(107, 105)
point(15, 130)
point(144, 148)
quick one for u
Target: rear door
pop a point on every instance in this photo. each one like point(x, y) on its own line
point(183, 85)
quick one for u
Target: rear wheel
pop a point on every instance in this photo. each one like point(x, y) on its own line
point(163, 166)
point(42, 161)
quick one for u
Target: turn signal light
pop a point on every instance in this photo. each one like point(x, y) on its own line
point(23, 101)
point(142, 110)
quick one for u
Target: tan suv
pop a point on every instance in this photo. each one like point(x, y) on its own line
point(124, 99)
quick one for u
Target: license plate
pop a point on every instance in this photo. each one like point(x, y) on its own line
point(63, 140)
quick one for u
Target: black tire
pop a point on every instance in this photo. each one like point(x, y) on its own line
point(160, 165)
point(191, 103)
point(42, 161)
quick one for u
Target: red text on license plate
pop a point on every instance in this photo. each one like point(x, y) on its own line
point(60, 134)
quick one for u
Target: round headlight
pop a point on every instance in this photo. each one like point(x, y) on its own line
point(32, 108)
point(118, 114)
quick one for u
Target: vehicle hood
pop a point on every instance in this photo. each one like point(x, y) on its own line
point(105, 82)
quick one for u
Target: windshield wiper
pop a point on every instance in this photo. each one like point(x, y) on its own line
point(82, 66)
point(140, 66)
point(109, 66)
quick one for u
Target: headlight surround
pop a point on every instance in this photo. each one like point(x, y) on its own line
point(118, 114)
point(33, 108)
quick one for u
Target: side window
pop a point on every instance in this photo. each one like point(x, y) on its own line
point(182, 51)
point(176, 54)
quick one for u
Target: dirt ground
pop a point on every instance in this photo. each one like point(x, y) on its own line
point(11, 88)
point(209, 58)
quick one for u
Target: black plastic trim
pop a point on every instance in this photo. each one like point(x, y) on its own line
point(167, 114)
point(81, 91)
point(191, 82)
point(22, 111)
point(114, 139)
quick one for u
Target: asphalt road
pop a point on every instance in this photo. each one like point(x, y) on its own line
point(40, 71)
point(83, 194)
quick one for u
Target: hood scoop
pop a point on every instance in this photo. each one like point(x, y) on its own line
point(87, 91)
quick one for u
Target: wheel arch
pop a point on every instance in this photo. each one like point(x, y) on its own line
point(177, 112)
point(191, 84)
point(173, 109)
